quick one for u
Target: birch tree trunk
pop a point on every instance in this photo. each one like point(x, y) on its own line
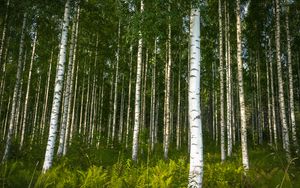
point(23, 125)
point(129, 100)
point(285, 131)
point(153, 100)
point(34, 125)
point(68, 91)
point(269, 102)
point(57, 91)
point(45, 108)
point(137, 101)
point(15, 93)
point(291, 87)
point(121, 112)
point(71, 114)
point(4, 32)
point(116, 86)
point(245, 159)
point(228, 81)
point(272, 96)
point(168, 92)
point(196, 147)
point(221, 70)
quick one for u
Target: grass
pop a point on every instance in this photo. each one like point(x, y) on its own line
point(87, 167)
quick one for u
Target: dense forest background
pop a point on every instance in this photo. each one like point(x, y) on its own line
point(96, 93)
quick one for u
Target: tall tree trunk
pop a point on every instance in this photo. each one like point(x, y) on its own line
point(153, 100)
point(221, 70)
point(15, 94)
point(57, 90)
point(291, 87)
point(4, 32)
point(228, 81)
point(23, 125)
point(269, 102)
point(196, 147)
point(285, 131)
point(68, 91)
point(129, 100)
point(137, 100)
point(245, 158)
point(45, 108)
point(71, 114)
point(178, 124)
point(273, 105)
point(121, 112)
point(116, 86)
point(34, 125)
point(168, 91)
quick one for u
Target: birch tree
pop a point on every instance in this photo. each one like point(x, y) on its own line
point(15, 93)
point(57, 90)
point(221, 70)
point(285, 131)
point(137, 100)
point(27, 91)
point(245, 159)
point(291, 87)
point(196, 146)
point(68, 89)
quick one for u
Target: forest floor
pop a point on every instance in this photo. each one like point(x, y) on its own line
point(90, 167)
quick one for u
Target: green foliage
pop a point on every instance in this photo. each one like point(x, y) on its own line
point(15, 174)
point(94, 177)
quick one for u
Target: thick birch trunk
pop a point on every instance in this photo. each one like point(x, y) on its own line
point(285, 131)
point(68, 91)
point(137, 101)
point(245, 159)
point(196, 148)
point(57, 91)
point(15, 94)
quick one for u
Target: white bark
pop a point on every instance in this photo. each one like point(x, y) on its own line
point(153, 101)
point(137, 95)
point(27, 92)
point(221, 70)
point(228, 82)
point(167, 92)
point(4, 32)
point(121, 112)
point(67, 93)
point(34, 125)
point(291, 87)
point(57, 91)
point(285, 131)
point(245, 159)
point(196, 148)
point(129, 100)
point(45, 107)
point(15, 93)
point(116, 86)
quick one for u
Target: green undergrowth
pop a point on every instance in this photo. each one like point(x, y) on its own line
point(113, 168)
